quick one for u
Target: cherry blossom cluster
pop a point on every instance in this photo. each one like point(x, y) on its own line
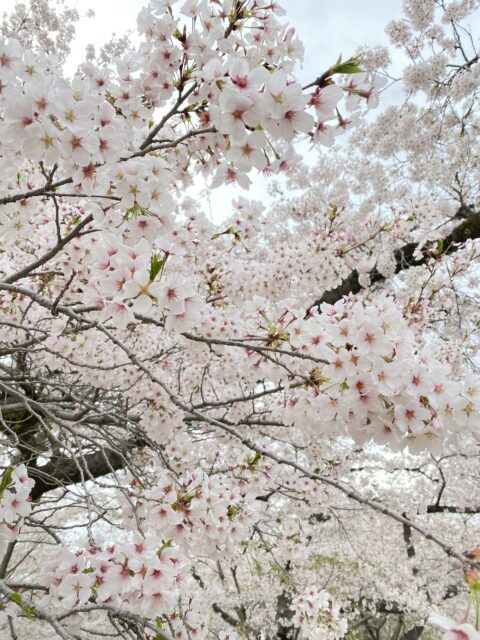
point(318, 616)
point(199, 513)
point(130, 282)
point(142, 574)
point(14, 502)
point(169, 524)
point(373, 383)
point(42, 24)
point(192, 354)
point(453, 630)
point(430, 41)
point(236, 84)
point(160, 421)
point(234, 98)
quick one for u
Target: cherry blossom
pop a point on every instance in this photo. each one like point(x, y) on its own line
point(260, 419)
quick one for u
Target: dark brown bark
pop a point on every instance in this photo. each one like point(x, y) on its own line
point(404, 258)
point(61, 472)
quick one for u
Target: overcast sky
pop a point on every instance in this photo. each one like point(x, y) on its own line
point(327, 28)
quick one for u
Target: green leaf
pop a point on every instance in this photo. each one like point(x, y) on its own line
point(15, 597)
point(165, 545)
point(159, 624)
point(253, 460)
point(348, 66)
point(133, 211)
point(439, 248)
point(28, 611)
point(6, 480)
point(232, 511)
point(156, 266)
point(333, 213)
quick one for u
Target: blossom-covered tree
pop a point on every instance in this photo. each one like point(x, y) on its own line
point(263, 423)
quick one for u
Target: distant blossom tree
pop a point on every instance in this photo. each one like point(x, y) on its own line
point(264, 426)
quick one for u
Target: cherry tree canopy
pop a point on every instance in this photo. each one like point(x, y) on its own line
point(261, 423)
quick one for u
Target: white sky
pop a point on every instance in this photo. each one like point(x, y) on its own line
point(326, 28)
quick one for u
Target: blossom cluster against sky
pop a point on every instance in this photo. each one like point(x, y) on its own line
point(327, 30)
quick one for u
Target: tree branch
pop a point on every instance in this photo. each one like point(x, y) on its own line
point(404, 258)
point(64, 470)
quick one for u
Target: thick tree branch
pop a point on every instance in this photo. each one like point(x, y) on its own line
point(225, 615)
point(407, 536)
point(64, 471)
point(62, 242)
point(438, 508)
point(404, 258)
